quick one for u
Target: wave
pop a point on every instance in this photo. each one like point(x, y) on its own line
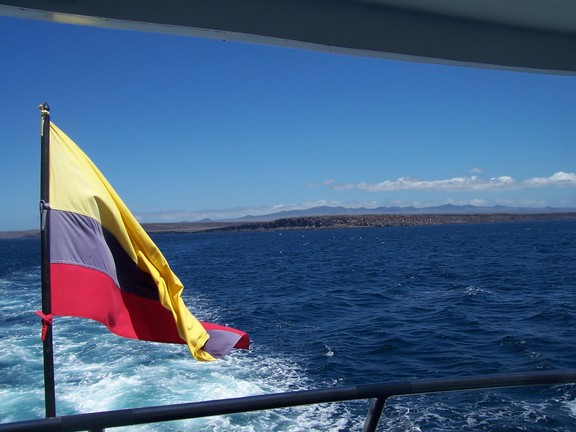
point(97, 371)
point(325, 309)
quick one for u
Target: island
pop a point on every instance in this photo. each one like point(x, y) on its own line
point(332, 222)
point(354, 221)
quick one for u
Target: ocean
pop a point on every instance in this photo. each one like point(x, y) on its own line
point(324, 308)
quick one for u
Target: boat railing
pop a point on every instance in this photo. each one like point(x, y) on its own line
point(378, 393)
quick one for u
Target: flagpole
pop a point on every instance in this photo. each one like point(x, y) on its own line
point(49, 388)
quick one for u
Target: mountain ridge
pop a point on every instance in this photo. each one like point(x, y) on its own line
point(343, 217)
point(409, 210)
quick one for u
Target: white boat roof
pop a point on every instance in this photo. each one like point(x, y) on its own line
point(529, 35)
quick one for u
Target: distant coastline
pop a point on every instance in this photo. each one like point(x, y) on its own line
point(7, 235)
point(333, 222)
point(385, 220)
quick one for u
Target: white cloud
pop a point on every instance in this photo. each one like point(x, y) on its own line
point(469, 183)
point(322, 183)
point(558, 180)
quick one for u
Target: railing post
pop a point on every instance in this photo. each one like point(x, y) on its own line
point(374, 414)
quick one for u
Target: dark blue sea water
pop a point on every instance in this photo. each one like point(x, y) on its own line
point(325, 308)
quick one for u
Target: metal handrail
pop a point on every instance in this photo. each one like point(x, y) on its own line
point(378, 392)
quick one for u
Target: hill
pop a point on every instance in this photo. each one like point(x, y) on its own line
point(341, 217)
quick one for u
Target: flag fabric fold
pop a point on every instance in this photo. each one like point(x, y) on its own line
point(105, 267)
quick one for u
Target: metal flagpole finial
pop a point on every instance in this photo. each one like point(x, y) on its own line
point(45, 116)
point(44, 108)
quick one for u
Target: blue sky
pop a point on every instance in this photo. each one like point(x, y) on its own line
point(188, 128)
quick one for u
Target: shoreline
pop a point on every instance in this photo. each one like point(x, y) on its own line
point(389, 220)
point(330, 222)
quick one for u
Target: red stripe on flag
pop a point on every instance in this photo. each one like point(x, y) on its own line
point(83, 292)
point(87, 293)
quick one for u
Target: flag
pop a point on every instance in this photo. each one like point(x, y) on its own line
point(105, 267)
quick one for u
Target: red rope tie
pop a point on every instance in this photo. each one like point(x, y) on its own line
point(46, 321)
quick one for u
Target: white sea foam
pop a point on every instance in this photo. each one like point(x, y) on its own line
point(97, 371)
point(329, 352)
point(474, 290)
point(571, 406)
point(15, 400)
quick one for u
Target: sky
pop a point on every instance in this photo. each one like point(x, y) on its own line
point(187, 128)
